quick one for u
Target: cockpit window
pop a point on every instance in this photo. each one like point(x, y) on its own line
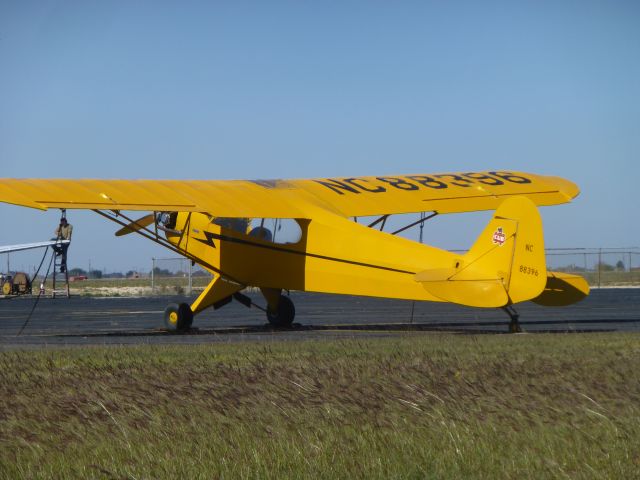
point(276, 230)
point(238, 224)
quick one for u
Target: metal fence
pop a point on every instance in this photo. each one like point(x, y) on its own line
point(177, 275)
point(600, 266)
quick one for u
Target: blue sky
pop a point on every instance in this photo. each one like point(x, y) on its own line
point(302, 89)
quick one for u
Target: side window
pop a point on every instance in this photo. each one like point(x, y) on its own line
point(276, 230)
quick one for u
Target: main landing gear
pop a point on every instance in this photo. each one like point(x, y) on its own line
point(280, 310)
point(284, 313)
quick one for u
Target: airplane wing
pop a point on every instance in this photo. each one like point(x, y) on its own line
point(29, 246)
point(350, 196)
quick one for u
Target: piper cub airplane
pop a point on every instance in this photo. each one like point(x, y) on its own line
point(221, 226)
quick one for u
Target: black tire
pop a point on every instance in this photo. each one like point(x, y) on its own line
point(285, 314)
point(178, 318)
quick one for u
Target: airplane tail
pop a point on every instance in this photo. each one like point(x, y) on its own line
point(505, 265)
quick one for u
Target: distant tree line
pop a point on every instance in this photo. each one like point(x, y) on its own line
point(601, 266)
point(157, 271)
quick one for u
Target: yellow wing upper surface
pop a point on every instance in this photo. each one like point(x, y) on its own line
point(442, 193)
point(346, 196)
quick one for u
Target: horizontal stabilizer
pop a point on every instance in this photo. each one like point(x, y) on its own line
point(562, 289)
point(474, 292)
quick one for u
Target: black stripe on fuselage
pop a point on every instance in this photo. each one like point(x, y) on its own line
point(225, 238)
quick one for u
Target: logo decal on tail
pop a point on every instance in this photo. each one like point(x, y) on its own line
point(499, 237)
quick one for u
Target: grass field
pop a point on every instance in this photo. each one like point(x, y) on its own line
point(610, 279)
point(423, 406)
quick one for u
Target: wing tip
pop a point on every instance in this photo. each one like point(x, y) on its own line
point(566, 187)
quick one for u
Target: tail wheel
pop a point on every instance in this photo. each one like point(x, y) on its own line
point(178, 318)
point(284, 315)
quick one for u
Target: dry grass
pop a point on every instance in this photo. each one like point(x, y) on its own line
point(425, 406)
point(612, 279)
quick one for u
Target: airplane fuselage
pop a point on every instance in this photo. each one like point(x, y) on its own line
point(333, 255)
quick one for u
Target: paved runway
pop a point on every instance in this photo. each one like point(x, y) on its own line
point(91, 321)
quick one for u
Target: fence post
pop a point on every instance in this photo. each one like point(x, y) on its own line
point(153, 269)
point(190, 272)
point(599, 265)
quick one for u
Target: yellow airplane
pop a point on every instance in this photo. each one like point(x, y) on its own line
point(222, 226)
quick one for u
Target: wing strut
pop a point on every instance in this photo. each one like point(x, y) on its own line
point(421, 221)
point(382, 219)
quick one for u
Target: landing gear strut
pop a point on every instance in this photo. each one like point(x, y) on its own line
point(514, 324)
point(178, 318)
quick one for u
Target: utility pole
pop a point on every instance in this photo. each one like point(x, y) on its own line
point(599, 265)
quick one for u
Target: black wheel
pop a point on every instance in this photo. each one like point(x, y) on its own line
point(178, 317)
point(285, 314)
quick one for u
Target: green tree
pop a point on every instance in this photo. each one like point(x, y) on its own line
point(95, 274)
point(604, 267)
point(162, 272)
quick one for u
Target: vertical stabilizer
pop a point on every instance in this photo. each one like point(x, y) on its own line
point(505, 265)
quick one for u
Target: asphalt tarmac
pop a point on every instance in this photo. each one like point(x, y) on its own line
point(138, 320)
